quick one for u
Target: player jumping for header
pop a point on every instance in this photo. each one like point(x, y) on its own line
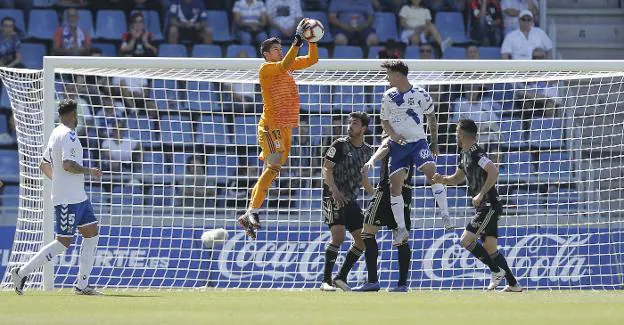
point(481, 175)
point(279, 116)
point(403, 108)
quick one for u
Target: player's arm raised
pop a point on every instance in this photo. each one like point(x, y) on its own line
point(274, 68)
point(492, 177)
point(302, 62)
point(457, 178)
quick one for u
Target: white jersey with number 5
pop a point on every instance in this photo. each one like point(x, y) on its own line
point(67, 188)
point(405, 112)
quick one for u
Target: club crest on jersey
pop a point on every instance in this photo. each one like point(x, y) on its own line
point(425, 153)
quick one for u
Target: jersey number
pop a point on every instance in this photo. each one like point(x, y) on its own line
point(413, 115)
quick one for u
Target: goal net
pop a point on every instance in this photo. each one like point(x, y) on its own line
point(176, 139)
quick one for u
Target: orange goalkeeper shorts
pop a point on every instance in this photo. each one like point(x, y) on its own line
point(275, 141)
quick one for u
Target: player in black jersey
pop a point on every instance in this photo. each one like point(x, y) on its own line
point(343, 178)
point(481, 175)
point(379, 213)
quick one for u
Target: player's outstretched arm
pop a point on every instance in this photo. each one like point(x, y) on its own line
point(46, 168)
point(457, 178)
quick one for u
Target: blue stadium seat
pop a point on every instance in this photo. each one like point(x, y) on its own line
point(423, 198)
point(42, 23)
point(457, 197)
point(212, 131)
point(32, 55)
point(167, 94)
point(524, 198)
point(386, 26)
point(489, 53)
point(110, 24)
point(220, 24)
point(348, 98)
point(546, 133)
point(512, 134)
point(95, 193)
point(200, 95)
point(556, 166)
point(10, 197)
point(373, 51)
point(160, 195)
point(348, 52)
point(322, 17)
point(172, 50)
point(222, 166)
point(309, 199)
point(17, 15)
point(246, 128)
point(451, 24)
point(413, 52)
point(315, 98)
point(4, 126)
point(317, 123)
point(127, 194)
point(446, 164)
point(206, 51)
point(5, 101)
point(176, 131)
point(9, 165)
point(517, 168)
point(153, 163)
point(563, 200)
point(152, 23)
point(504, 93)
point(85, 21)
point(43, 3)
point(141, 129)
point(454, 53)
point(322, 51)
point(233, 50)
point(179, 160)
point(107, 48)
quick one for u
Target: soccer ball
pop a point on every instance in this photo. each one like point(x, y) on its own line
point(314, 32)
point(214, 236)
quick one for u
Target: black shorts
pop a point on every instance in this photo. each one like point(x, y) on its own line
point(189, 35)
point(349, 215)
point(485, 221)
point(379, 212)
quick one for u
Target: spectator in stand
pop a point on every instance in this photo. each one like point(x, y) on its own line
point(444, 5)
point(511, 12)
point(250, 21)
point(70, 39)
point(284, 15)
point(352, 22)
point(474, 105)
point(119, 151)
point(135, 94)
point(472, 52)
point(417, 26)
point(392, 50)
point(85, 115)
point(137, 41)
point(187, 22)
point(426, 52)
point(519, 44)
point(486, 22)
point(10, 45)
point(388, 5)
point(112, 110)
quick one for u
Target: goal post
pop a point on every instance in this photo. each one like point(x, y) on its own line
point(185, 158)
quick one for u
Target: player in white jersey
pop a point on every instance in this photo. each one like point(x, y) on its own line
point(62, 163)
point(403, 109)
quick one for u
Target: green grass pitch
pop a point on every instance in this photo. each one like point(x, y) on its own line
point(313, 307)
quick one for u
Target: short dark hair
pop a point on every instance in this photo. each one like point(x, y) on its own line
point(67, 106)
point(362, 116)
point(8, 18)
point(266, 45)
point(396, 65)
point(135, 16)
point(469, 126)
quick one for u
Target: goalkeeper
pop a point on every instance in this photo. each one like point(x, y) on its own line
point(280, 115)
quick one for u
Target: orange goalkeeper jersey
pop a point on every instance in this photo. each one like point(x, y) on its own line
point(279, 91)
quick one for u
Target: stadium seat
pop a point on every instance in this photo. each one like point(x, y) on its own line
point(563, 200)
point(206, 51)
point(110, 24)
point(9, 165)
point(10, 197)
point(246, 128)
point(386, 26)
point(127, 194)
point(451, 24)
point(348, 98)
point(454, 53)
point(489, 53)
point(5, 101)
point(43, 3)
point(423, 198)
point(457, 197)
point(141, 129)
point(107, 48)
point(179, 160)
point(373, 52)
point(413, 52)
point(172, 50)
point(153, 163)
point(176, 131)
point(446, 164)
point(512, 134)
point(315, 98)
point(211, 131)
point(219, 22)
point(222, 166)
point(504, 94)
point(233, 50)
point(42, 23)
point(200, 95)
point(322, 51)
point(160, 195)
point(32, 55)
point(348, 52)
point(517, 168)
point(95, 193)
point(17, 15)
point(556, 167)
point(4, 126)
point(152, 23)
point(309, 199)
point(85, 21)
point(546, 133)
point(523, 198)
point(322, 17)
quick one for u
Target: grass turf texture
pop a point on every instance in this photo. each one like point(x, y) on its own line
point(313, 307)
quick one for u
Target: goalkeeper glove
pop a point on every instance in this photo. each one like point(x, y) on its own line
point(303, 24)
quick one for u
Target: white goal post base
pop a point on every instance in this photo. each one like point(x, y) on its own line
point(185, 159)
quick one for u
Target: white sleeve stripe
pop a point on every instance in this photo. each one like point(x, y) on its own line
point(484, 161)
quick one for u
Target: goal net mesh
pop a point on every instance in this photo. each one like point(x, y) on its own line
point(179, 153)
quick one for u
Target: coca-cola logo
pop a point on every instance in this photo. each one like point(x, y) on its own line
point(534, 257)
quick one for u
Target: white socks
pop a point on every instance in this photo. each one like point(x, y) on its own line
point(398, 206)
point(87, 256)
point(45, 255)
point(439, 193)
